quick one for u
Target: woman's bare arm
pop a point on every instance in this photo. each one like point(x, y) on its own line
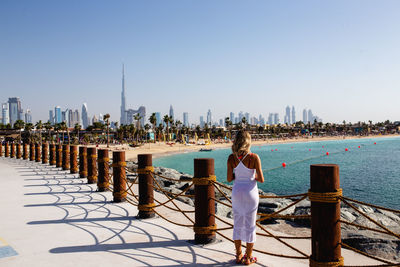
point(260, 175)
point(229, 175)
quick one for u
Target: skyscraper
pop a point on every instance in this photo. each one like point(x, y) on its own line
point(186, 119)
point(123, 119)
point(209, 119)
point(232, 117)
point(70, 118)
point(5, 113)
point(293, 115)
point(201, 121)
point(270, 118)
point(85, 116)
point(287, 115)
point(171, 112)
point(57, 114)
point(305, 116)
point(158, 119)
point(14, 109)
point(276, 118)
point(51, 117)
point(310, 116)
point(28, 116)
point(247, 116)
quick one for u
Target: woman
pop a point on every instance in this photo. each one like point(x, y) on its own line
point(244, 168)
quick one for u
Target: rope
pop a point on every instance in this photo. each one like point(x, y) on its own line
point(281, 210)
point(285, 196)
point(145, 170)
point(146, 207)
point(103, 160)
point(364, 227)
point(180, 224)
point(371, 205)
point(219, 190)
point(220, 202)
point(314, 263)
point(204, 180)
point(103, 184)
point(328, 197)
point(118, 164)
point(205, 230)
point(370, 256)
point(166, 178)
point(121, 195)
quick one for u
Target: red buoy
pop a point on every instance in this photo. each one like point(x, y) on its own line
point(346, 149)
point(323, 146)
point(276, 149)
point(272, 150)
point(327, 153)
point(309, 149)
point(359, 146)
point(375, 143)
point(291, 147)
point(283, 164)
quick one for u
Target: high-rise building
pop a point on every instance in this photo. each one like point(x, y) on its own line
point(293, 115)
point(305, 116)
point(64, 116)
point(57, 114)
point(209, 118)
point(202, 121)
point(286, 119)
point(310, 116)
point(131, 115)
point(85, 116)
point(51, 117)
point(171, 112)
point(240, 115)
point(123, 118)
point(247, 116)
point(276, 118)
point(70, 119)
point(28, 116)
point(186, 119)
point(21, 115)
point(94, 119)
point(5, 113)
point(76, 118)
point(261, 120)
point(232, 117)
point(158, 119)
point(270, 118)
point(14, 109)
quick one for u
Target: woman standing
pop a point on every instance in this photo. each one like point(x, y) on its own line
point(244, 168)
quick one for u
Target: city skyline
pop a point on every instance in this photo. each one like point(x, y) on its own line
point(327, 56)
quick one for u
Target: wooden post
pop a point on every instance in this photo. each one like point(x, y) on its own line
point(32, 151)
point(65, 161)
point(58, 156)
point(146, 188)
point(12, 150)
point(92, 165)
point(119, 176)
point(104, 170)
point(19, 154)
point(38, 153)
point(7, 150)
point(45, 153)
point(204, 226)
point(74, 159)
point(325, 215)
point(25, 155)
point(1, 149)
point(83, 162)
point(52, 154)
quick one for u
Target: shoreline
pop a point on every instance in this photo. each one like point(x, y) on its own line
point(161, 149)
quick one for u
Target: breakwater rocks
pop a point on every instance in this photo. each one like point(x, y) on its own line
point(378, 244)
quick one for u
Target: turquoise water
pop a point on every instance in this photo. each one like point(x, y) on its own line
point(370, 173)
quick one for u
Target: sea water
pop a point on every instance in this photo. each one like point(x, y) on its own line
point(368, 172)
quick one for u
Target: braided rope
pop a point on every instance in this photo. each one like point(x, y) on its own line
point(328, 197)
point(369, 256)
point(364, 227)
point(103, 160)
point(338, 263)
point(145, 170)
point(281, 210)
point(146, 207)
point(204, 180)
point(370, 205)
point(118, 164)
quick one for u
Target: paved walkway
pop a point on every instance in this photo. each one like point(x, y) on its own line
point(52, 218)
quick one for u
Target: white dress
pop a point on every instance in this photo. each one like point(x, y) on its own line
point(245, 203)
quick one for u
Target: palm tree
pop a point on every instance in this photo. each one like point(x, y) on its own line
point(137, 118)
point(39, 126)
point(166, 120)
point(106, 119)
point(77, 129)
point(63, 128)
point(28, 128)
point(47, 125)
point(153, 121)
point(19, 125)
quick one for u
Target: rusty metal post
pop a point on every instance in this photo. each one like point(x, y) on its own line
point(58, 156)
point(1, 149)
point(65, 161)
point(146, 187)
point(73, 159)
point(204, 227)
point(92, 165)
point(104, 170)
point(7, 150)
point(325, 215)
point(83, 162)
point(19, 153)
point(119, 176)
point(25, 154)
point(52, 154)
point(32, 151)
point(12, 155)
point(45, 153)
point(38, 153)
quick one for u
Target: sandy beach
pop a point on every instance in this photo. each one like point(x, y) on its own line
point(161, 149)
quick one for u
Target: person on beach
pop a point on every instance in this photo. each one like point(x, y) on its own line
point(244, 168)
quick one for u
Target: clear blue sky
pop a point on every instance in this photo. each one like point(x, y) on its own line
point(339, 58)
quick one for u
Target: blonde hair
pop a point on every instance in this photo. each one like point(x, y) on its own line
point(242, 143)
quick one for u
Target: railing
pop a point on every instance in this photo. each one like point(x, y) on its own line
point(325, 195)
